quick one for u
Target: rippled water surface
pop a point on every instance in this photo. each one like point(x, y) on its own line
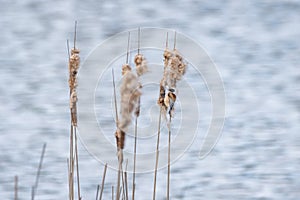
point(255, 45)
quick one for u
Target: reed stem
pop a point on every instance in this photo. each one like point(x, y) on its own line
point(16, 187)
point(35, 186)
point(97, 193)
point(134, 158)
point(119, 159)
point(103, 180)
point(157, 154)
point(77, 166)
point(126, 185)
point(169, 159)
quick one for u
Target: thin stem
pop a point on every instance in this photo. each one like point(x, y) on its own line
point(71, 165)
point(126, 185)
point(123, 184)
point(39, 171)
point(32, 193)
point(157, 154)
point(112, 192)
point(119, 179)
point(139, 35)
point(167, 40)
point(77, 166)
point(115, 97)
point(97, 193)
point(68, 164)
point(127, 56)
point(103, 180)
point(134, 158)
point(169, 160)
point(16, 187)
point(75, 34)
point(175, 35)
point(68, 50)
point(119, 150)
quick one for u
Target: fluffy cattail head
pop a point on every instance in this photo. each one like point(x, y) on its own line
point(174, 69)
point(141, 64)
point(125, 68)
point(130, 94)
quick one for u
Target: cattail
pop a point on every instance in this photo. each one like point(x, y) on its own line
point(74, 63)
point(141, 68)
point(73, 68)
point(141, 64)
point(120, 138)
point(130, 94)
point(174, 69)
point(163, 83)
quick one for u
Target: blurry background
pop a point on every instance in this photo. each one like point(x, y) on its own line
point(255, 44)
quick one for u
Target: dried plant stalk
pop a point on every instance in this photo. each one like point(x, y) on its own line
point(103, 180)
point(16, 187)
point(74, 62)
point(174, 69)
point(141, 68)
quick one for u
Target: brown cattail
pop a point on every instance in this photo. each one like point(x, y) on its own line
point(120, 138)
point(141, 64)
point(163, 83)
point(174, 69)
point(125, 68)
point(74, 63)
point(130, 93)
point(141, 68)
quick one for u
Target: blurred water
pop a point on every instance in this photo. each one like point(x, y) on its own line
point(256, 46)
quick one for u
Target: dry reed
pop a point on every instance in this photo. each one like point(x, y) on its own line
point(16, 188)
point(74, 62)
point(103, 181)
point(35, 186)
point(141, 68)
point(97, 192)
point(130, 92)
point(163, 109)
point(174, 69)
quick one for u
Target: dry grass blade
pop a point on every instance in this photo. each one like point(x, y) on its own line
point(74, 62)
point(126, 183)
point(134, 159)
point(115, 97)
point(35, 186)
point(157, 155)
point(163, 109)
point(97, 193)
point(16, 187)
point(103, 181)
point(169, 159)
point(77, 166)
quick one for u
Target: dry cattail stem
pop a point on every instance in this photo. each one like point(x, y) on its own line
point(141, 68)
point(74, 62)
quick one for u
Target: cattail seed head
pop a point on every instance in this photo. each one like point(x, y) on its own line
point(141, 64)
point(130, 94)
point(125, 68)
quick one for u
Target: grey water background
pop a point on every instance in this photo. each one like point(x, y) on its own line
point(255, 44)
